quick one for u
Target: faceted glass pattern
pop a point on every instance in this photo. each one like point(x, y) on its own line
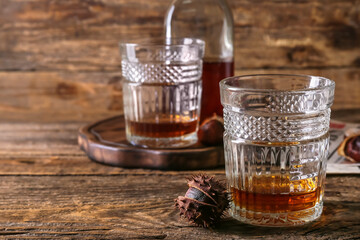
point(276, 145)
point(162, 91)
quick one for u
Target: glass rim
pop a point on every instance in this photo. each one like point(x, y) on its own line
point(162, 42)
point(225, 86)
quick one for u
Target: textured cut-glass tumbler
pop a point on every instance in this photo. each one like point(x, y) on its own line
point(276, 144)
point(162, 91)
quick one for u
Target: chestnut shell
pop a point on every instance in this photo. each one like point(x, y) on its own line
point(204, 202)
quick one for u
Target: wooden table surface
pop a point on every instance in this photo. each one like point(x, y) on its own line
point(50, 189)
point(60, 69)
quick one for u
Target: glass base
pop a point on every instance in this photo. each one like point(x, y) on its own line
point(286, 219)
point(174, 142)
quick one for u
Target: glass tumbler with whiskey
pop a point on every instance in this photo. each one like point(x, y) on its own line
point(162, 91)
point(276, 144)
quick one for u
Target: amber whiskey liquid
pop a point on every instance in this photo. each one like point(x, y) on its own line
point(213, 73)
point(274, 195)
point(276, 183)
point(162, 115)
point(162, 129)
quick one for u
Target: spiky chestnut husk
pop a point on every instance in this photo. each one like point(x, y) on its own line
point(204, 202)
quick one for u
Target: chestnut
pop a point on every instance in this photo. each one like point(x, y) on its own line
point(205, 201)
point(211, 131)
point(352, 148)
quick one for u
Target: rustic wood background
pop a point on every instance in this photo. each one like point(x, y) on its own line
point(60, 68)
point(59, 59)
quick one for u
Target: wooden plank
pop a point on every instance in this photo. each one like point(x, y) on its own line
point(49, 149)
point(72, 35)
point(30, 148)
point(346, 115)
point(296, 34)
point(86, 97)
point(306, 37)
point(347, 81)
point(56, 96)
point(82, 35)
point(133, 207)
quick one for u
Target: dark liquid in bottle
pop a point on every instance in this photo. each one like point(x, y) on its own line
point(213, 73)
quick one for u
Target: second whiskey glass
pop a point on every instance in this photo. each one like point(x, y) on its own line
point(162, 91)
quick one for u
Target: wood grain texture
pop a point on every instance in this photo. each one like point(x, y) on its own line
point(57, 96)
point(59, 59)
point(297, 34)
point(347, 89)
point(91, 96)
point(49, 149)
point(60, 69)
point(141, 207)
point(79, 35)
point(50, 190)
point(105, 142)
point(32, 148)
point(73, 35)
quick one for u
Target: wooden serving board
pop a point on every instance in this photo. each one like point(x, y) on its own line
point(105, 142)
